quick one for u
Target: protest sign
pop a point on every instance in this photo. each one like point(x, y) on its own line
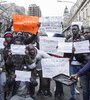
point(58, 39)
point(18, 49)
point(82, 46)
point(1, 43)
point(54, 66)
point(23, 76)
point(0, 57)
point(23, 23)
point(65, 47)
point(51, 24)
point(50, 44)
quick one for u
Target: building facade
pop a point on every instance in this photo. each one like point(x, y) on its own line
point(83, 14)
point(80, 11)
point(66, 17)
point(34, 10)
point(6, 11)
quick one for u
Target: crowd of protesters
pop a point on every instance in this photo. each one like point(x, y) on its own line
point(83, 72)
point(10, 89)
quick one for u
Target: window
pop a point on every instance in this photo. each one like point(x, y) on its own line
point(86, 12)
point(83, 15)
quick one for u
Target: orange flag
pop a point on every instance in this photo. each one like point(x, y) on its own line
point(23, 23)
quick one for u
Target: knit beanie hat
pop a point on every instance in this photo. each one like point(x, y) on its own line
point(8, 34)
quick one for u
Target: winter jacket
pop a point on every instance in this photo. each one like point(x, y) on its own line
point(79, 57)
point(85, 69)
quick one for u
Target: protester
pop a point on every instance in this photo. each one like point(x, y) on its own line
point(34, 56)
point(7, 43)
point(84, 72)
point(22, 90)
point(10, 39)
point(13, 62)
point(76, 60)
point(31, 62)
point(16, 62)
point(59, 87)
point(2, 76)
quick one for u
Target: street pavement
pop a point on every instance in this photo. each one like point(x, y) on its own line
point(66, 93)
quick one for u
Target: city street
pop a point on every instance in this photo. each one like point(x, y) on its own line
point(42, 43)
point(66, 94)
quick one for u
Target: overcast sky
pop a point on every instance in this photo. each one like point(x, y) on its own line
point(48, 7)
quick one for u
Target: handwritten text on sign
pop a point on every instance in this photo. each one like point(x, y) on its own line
point(23, 75)
point(51, 24)
point(18, 49)
point(54, 66)
point(1, 43)
point(50, 44)
point(23, 23)
point(80, 47)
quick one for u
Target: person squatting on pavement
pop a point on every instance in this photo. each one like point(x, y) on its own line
point(20, 90)
point(10, 39)
point(33, 55)
point(27, 62)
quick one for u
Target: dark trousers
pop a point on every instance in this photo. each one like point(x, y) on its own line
point(44, 83)
point(59, 88)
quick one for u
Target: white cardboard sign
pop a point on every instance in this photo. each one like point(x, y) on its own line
point(18, 49)
point(23, 75)
point(54, 66)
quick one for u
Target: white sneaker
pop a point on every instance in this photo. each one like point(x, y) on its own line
point(77, 91)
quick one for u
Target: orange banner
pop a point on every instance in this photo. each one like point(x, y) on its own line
point(23, 23)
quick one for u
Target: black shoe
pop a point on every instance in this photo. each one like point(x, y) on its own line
point(40, 92)
point(55, 95)
point(72, 98)
point(47, 93)
point(59, 96)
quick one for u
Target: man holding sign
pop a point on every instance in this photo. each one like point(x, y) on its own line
point(85, 71)
point(76, 60)
point(15, 61)
point(22, 86)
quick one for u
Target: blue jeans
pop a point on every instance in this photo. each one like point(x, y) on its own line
point(85, 83)
point(2, 84)
point(73, 70)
